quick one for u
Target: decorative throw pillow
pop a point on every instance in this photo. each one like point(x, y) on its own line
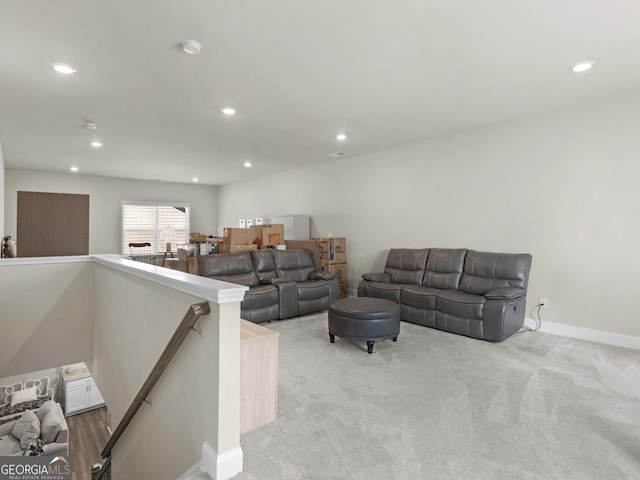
point(50, 427)
point(46, 407)
point(26, 395)
point(27, 428)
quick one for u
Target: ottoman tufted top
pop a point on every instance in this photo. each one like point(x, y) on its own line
point(365, 308)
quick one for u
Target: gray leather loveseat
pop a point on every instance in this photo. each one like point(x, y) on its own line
point(282, 283)
point(478, 294)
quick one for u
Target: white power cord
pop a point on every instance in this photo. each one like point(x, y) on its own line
point(538, 321)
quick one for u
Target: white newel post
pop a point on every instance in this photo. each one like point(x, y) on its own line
point(221, 452)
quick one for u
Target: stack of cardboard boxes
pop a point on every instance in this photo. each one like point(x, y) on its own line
point(333, 259)
point(252, 238)
point(237, 240)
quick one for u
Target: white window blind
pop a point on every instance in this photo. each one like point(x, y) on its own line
point(145, 221)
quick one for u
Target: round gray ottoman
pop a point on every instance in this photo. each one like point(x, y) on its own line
point(364, 318)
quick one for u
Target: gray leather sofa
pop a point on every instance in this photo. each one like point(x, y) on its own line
point(478, 294)
point(282, 283)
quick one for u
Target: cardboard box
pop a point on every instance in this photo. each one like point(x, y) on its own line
point(272, 234)
point(239, 236)
point(338, 257)
point(340, 269)
point(192, 265)
point(186, 250)
point(332, 246)
point(257, 235)
point(227, 248)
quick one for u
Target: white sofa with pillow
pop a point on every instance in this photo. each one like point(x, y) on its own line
point(21, 396)
point(47, 423)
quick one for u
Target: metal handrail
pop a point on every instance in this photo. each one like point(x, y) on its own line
point(189, 320)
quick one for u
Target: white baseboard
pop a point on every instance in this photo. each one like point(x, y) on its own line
point(221, 467)
point(599, 336)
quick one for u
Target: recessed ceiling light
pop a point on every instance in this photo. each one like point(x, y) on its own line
point(195, 179)
point(63, 68)
point(90, 125)
point(338, 154)
point(97, 144)
point(191, 47)
point(228, 111)
point(74, 169)
point(582, 67)
point(247, 164)
point(341, 136)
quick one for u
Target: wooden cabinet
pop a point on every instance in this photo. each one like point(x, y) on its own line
point(80, 394)
point(258, 375)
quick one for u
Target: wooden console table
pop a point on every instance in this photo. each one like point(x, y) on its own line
point(258, 375)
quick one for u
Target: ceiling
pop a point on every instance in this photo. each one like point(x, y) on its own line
point(385, 72)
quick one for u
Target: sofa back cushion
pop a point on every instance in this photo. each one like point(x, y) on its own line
point(295, 264)
point(264, 265)
point(444, 268)
point(26, 428)
point(406, 265)
point(229, 267)
point(485, 271)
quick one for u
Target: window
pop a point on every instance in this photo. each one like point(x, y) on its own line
point(145, 222)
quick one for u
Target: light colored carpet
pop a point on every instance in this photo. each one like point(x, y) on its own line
point(436, 405)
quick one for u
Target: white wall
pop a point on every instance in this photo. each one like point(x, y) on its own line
point(46, 315)
point(561, 186)
point(105, 195)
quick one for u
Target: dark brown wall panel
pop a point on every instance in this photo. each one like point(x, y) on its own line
point(52, 224)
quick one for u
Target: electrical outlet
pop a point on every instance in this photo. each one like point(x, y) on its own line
point(543, 302)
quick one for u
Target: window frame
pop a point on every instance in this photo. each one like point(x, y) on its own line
point(157, 229)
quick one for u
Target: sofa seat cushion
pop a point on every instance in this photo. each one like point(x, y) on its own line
point(312, 290)
point(387, 291)
point(460, 304)
point(9, 445)
point(260, 296)
point(419, 297)
point(258, 315)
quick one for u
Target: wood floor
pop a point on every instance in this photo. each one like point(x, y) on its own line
point(88, 435)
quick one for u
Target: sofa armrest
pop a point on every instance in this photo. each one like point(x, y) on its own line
point(506, 293)
point(322, 276)
point(56, 448)
point(377, 277)
point(287, 299)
